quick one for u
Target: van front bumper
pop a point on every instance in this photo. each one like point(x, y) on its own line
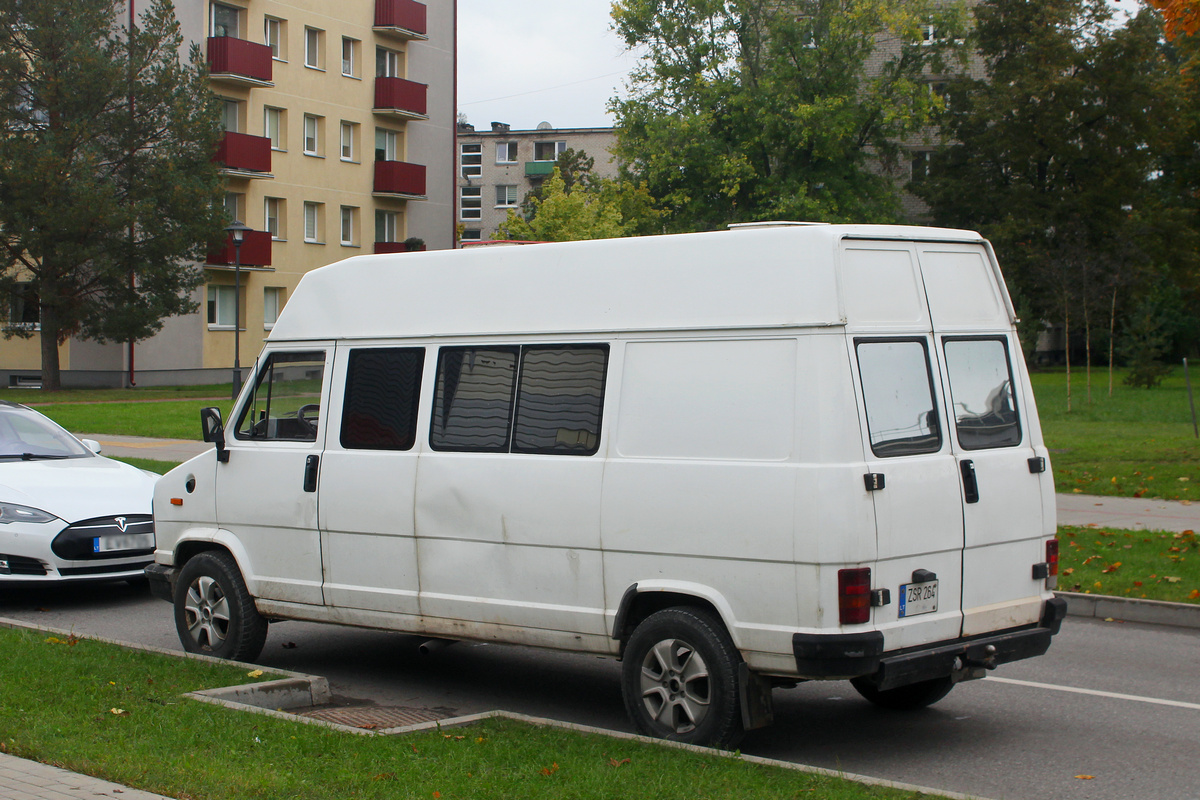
point(162, 581)
point(854, 655)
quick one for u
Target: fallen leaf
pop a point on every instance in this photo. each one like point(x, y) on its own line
point(120, 712)
point(1077, 491)
point(550, 770)
point(612, 762)
point(1194, 595)
point(1113, 567)
point(1171, 579)
point(1068, 570)
point(1086, 777)
point(256, 673)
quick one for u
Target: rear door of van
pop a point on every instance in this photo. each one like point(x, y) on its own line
point(1007, 490)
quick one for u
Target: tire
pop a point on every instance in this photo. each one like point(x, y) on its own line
point(905, 698)
point(679, 679)
point(214, 613)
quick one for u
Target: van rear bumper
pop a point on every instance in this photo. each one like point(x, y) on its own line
point(853, 655)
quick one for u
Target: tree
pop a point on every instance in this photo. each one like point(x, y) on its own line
point(1057, 155)
point(1180, 17)
point(107, 185)
point(606, 210)
point(746, 110)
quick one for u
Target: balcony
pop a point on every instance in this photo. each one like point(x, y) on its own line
point(539, 169)
point(397, 247)
point(400, 179)
point(402, 19)
point(244, 156)
point(400, 98)
point(256, 251)
point(245, 63)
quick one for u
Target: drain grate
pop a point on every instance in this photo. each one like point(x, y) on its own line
point(374, 717)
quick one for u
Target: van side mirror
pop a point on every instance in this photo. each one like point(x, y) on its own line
point(214, 430)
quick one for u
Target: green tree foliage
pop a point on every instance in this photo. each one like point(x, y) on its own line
point(592, 209)
point(746, 110)
point(107, 186)
point(1057, 156)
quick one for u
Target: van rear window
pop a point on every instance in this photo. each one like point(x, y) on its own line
point(529, 399)
point(897, 387)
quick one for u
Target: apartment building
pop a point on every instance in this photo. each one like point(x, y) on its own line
point(340, 124)
point(497, 168)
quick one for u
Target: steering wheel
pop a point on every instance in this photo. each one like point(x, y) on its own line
point(308, 417)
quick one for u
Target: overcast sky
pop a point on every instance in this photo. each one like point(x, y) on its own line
point(528, 61)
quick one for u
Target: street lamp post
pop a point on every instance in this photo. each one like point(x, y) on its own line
point(237, 231)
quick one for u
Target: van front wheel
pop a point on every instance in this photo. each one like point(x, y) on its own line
point(905, 698)
point(679, 679)
point(214, 613)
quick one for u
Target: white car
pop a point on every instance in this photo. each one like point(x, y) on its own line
point(66, 512)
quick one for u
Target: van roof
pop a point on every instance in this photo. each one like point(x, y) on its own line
point(748, 277)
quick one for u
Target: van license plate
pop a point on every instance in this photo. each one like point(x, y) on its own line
point(130, 541)
point(918, 598)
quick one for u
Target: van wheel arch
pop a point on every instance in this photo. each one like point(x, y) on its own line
point(637, 605)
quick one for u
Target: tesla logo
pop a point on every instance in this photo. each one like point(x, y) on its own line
point(120, 523)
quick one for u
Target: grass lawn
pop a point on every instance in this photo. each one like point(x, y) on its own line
point(1136, 443)
point(1153, 565)
point(117, 714)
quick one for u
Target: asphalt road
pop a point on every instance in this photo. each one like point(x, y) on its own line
point(1114, 701)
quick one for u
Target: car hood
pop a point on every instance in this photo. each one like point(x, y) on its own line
point(75, 489)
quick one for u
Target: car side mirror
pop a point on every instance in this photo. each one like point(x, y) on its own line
point(213, 430)
point(91, 444)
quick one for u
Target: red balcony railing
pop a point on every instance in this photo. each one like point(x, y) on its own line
point(256, 251)
point(230, 58)
point(400, 177)
point(397, 247)
point(241, 151)
point(401, 17)
point(396, 95)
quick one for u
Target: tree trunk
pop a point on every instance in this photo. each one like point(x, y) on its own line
point(1067, 344)
point(51, 377)
point(1112, 335)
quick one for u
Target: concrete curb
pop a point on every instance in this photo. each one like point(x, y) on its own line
point(1152, 612)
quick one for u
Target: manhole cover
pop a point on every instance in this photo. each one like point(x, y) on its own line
point(373, 717)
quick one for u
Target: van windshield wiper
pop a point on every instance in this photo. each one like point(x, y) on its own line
point(33, 456)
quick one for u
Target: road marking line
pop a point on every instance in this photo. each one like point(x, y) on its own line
point(1096, 693)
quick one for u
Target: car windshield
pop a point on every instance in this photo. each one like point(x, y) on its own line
point(26, 434)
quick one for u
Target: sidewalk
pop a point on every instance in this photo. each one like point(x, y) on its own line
point(144, 447)
point(22, 779)
point(1128, 512)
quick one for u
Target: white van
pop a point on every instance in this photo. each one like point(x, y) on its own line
point(734, 460)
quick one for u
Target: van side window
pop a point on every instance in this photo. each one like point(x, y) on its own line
point(985, 410)
point(286, 402)
point(897, 388)
point(559, 400)
point(531, 399)
point(382, 390)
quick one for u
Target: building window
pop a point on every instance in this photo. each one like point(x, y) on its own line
point(274, 37)
point(273, 217)
point(348, 136)
point(313, 46)
point(23, 309)
point(920, 165)
point(274, 127)
point(548, 151)
point(272, 303)
point(388, 63)
point(350, 57)
point(221, 306)
point(471, 235)
point(349, 225)
point(387, 226)
point(312, 138)
point(312, 223)
point(233, 205)
point(225, 20)
point(471, 159)
point(470, 202)
point(387, 145)
point(231, 115)
point(506, 152)
point(506, 196)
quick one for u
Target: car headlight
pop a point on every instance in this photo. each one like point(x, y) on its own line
point(11, 512)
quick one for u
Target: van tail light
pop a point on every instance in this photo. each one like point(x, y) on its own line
point(854, 595)
point(1052, 563)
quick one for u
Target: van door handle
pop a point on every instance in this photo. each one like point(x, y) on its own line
point(970, 485)
point(310, 473)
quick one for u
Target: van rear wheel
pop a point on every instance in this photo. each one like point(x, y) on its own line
point(214, 612)
point(679, 679)
point(905, 698)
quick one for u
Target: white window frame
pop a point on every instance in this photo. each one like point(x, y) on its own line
point(388, 63)
point(560, 147)
point(506, 152)
point(350, 59)
point(312, 222)
point(509, 198)
point(273, 217)
point(274, 126)
point(388, 141)
point(314, 45)
point(273, 37)
point(237, 14)
point(272, 305)
point(348, 222)
point(349, 132)
point(387, 225)
point(470, 162)
point(471, 235)
point(221, 300)
point(470, 203)
point(312, 135)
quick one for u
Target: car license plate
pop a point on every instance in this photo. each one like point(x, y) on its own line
point(130, 541)
point(918, 598)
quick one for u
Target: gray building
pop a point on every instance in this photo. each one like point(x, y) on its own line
point(499, 167)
